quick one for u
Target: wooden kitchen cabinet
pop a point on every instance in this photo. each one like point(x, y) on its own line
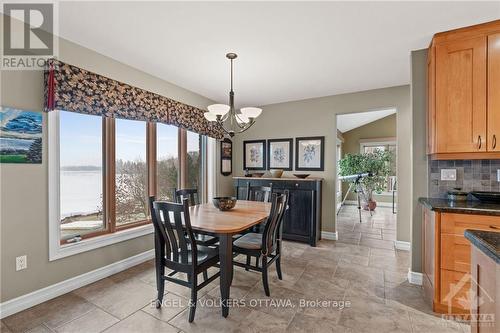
point(446, 256)
point(463, 116)
point(485, 285)
point(494, 98)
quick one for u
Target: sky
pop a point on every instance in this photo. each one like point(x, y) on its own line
point(80, 140)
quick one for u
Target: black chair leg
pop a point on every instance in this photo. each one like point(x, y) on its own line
point(278, 267)
point(194, 295)
point(257, 261)
point(160, 272)
point(205, 276)
point(248, 262)
point(264, 276)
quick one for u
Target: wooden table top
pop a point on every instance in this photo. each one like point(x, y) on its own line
point(206, 217)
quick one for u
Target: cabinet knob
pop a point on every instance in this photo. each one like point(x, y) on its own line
point(296, 184)
point(479, 140)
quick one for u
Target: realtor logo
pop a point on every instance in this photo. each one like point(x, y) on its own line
point(28, 29)
point(28, 35)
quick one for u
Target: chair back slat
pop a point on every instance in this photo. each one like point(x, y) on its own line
point(188, 193)
point(259, 193)
point(173, 227)
point(273, 227)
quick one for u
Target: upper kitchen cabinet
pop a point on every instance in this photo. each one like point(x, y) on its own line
point(464, 93)
point(494, 92)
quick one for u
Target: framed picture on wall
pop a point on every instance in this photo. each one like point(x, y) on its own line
point(20, 136)
point(254, 155)
point(310, 153)
point(280, 154)
point(226, 157)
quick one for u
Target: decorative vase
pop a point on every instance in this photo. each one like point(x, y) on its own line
point(370, 205)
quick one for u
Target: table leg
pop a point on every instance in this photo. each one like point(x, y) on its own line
point(226, 269)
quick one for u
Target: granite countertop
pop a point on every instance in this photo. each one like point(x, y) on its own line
point(487, 241)
point(463, 207)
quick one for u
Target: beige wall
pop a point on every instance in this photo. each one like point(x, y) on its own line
point(317, 116)
point(24, 193)
point(420, 162)
point(381, 128)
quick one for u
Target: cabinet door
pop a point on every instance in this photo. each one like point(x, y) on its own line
point(494, 92)
point(300, 215)
point(461, 96)
point(431, 101)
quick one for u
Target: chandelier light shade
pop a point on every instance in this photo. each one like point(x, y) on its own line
point(232, 121)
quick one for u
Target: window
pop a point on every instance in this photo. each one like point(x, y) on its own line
point(167, 165)
point(81, 176)
point(102, 172)
point(371, 145)
point(131, 172)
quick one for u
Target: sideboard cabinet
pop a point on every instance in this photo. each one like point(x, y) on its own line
point(463, 73)
point(302, 221)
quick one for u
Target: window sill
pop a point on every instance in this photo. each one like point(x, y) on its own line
point(62, 251)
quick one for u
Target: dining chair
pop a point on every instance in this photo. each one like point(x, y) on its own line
point(176, 249)
point(191, 194)
point(266, 245)
point(259, 193)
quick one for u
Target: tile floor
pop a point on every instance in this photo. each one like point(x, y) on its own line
point(362, 268)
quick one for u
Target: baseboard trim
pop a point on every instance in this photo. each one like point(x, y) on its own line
point(403, 246)
point(26, 301)
point(379, 203)
point(415, 277)
point(329, 235)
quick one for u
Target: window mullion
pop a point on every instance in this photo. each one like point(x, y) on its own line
point(151, 158)
point(182, 152)
point(110, 173)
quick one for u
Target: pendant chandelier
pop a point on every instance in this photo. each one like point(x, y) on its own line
point(231, 120)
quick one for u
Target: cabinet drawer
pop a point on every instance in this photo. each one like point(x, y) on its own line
point(299, 185)
point(455, 253)
point(454, 288)
point(457, 223)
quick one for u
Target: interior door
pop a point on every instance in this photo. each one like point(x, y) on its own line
point(494, 92)
point(461, 96)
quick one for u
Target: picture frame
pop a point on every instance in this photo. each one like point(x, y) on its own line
point(226, 157)
point(310, 153)
point(21, 135)
point(280, 154)
point(254, 155)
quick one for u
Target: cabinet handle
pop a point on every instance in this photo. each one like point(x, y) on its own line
point(480, 143)
point(494, 227)
point(494, 141)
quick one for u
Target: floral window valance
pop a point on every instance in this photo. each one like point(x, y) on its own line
point(75, 89)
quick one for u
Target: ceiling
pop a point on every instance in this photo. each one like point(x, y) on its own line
point(287, 51)
point(347, 122)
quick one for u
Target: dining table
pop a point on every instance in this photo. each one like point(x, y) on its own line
point(206, 218)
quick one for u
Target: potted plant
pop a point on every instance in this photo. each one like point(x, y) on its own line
point(377, 163)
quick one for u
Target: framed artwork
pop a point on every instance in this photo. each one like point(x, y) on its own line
point(226, 157)
point(20, 136)
point(254, 155)
point(310, 153)
point(280, 154)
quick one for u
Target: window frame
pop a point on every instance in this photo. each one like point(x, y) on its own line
point(386, 142)
point(111, 233)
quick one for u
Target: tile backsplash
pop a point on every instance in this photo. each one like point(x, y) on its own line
point(475, 175)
